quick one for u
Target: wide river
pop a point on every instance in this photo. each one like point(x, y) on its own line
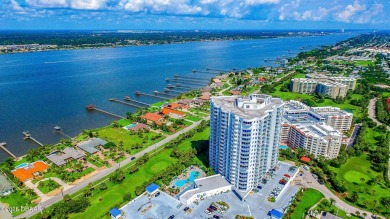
point(41, 90)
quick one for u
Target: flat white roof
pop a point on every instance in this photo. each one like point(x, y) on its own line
point(206, 184)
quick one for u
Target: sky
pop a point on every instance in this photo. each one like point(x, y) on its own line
point(194, 14)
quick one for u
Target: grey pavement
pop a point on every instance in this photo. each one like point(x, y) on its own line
point(4, 214)
point(107, 171)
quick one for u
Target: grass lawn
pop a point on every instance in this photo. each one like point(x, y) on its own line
point(309, 199)
point(113, 196)
point(124, 122)
point(187, 123)
point(300, 75)
point(159, 104)
point(351, 174)
point(47, 186)
point(364, 63)
point(119, 134)
point(16, 199)
point(189, 116)
point(23, 160)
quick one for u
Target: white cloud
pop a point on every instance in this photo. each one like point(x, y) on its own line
point(350, 11)
point(261, 2)
point(73, 4)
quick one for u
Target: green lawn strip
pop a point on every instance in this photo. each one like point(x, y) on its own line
point(17, 200)
point(187, 123)
point(22, 160)
point(47, 186)
point(364, 63)
point(354, 174)
point(159, 104)
point(124, 122)
point(300, 75)
point(309, 199)
point(191, 117)
point(95, 161)
point(103, 201)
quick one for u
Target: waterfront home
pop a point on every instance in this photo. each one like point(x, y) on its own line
point(177, 106)
point(235, 92)
point(138, 126)
point(60, 158)
point(6, 187)
point(173, 113)
point(153, 118)
point(91, 144)
point(30, 171)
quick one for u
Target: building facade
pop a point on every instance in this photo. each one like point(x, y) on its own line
point(332, 89)
point(335, 117)
point(303, 85)
point(244, 138)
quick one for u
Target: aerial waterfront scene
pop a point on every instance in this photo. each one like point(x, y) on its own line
point(244, 109)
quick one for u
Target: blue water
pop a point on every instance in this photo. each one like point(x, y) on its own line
point(41, 90)
point(191, 179)
point(284, 147)
point(21, 165)
point(130, 126)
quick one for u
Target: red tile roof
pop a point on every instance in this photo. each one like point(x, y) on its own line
point(167, 111)
point(152, 117)
point(305, 159)
point(26, 173)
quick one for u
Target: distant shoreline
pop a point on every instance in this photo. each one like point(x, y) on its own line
point(63, 48)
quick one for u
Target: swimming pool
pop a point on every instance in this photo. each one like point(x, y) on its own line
point(130, 126)
point(284, 147)
point(21, 165)
point(191, 179)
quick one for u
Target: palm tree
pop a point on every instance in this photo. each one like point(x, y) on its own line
point(364, 214)
point(362, 180)
point(332, 201)
point(357, 213)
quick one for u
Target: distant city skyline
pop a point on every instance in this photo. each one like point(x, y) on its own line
point(194, 14)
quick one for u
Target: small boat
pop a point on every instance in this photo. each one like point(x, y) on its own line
point(167, 90)
point(127, 98)
point(155, 92)
point(166, 79)
point(178, 85)
point(112, 99)
point(137, 93)
point(170, 86)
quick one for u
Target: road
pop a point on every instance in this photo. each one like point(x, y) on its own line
point(310, 182)
point(106, 172)
point(371, 114)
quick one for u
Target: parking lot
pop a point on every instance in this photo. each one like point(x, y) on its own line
point(255, 203)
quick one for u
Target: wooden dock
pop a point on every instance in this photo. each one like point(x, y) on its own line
point(27, 135)
point(138, 102)
point(2, 146)
point(138, 93)
point(173, 91)
point(190, 78)
point(205, 72)
point(126, 103)
point(164, 93)
point(219, 70)
point(188, 81)
point(108, 113)
point(184, 87)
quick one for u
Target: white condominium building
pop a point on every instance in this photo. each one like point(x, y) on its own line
point(244, 137)
point(335, 117)
point(318, 139)
point(303, 85)
point(350, 82)
point(332, 89)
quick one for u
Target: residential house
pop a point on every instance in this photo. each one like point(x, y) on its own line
point(153, 118)
point(91, 144)
point(60, 158)
point(6, 187)
point(173, 113)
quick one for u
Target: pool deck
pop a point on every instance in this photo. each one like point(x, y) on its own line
point(185, 176)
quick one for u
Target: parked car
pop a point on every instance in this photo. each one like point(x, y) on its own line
point(213, 207)
point(210, 209)
point(172, 216)
point(207, 212)
point(216, 216)
point(132, 158)
point(157, 194)
point(186, 208)
point(259, 187)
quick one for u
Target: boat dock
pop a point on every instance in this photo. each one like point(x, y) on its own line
point(138, 102)
point(189, 81)
point(92, 108)
point(164, 93)
point(138, 93)
point(173, 91)
point(184, 87)
point(218, 70)
point(205, 72)
point(126, 103)
point(59, 130)
point(190, 78)
point(27, 135)
point(2, 146)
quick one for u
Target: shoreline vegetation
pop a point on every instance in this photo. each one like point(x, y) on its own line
point(25, 42)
